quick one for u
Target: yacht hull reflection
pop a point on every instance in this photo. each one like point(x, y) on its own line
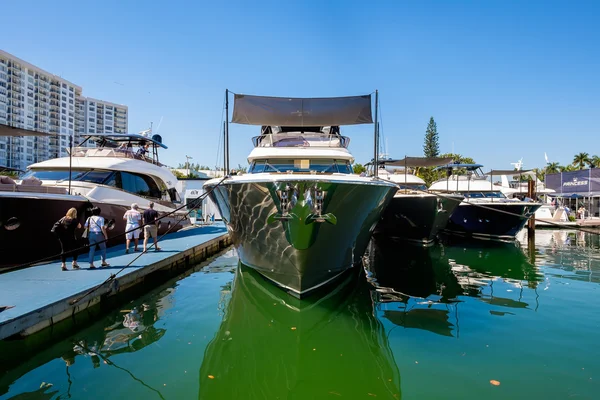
point(316, 348)
point(301, 232)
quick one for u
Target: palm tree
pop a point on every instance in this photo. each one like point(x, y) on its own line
point(594, 162)
point(566, 168)
point(553, 168)
point(581, 160)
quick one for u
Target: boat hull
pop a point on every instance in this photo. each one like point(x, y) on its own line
point(26, 220)
point(487, 222)
point(280, 228)
point(416, 218)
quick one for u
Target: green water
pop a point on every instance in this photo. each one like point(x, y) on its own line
point(438, 323)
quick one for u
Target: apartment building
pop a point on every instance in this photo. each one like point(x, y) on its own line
point(103, 117)
point(31, 98)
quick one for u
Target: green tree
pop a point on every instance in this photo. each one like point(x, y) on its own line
point(581, 160)
point(566, 168)
point(594, 162)
point(540, 174)
point(241, 170)
point(552, 168)
point(178, 174)
point(359, 169)
point(431, 148)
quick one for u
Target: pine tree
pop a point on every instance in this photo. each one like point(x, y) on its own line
point(431, 148)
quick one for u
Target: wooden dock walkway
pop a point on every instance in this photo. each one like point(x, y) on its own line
point(38, 297)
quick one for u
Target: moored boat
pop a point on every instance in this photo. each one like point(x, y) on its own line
point(300, 216)
point(110, 176)
point(485, 213)
point(414, 214)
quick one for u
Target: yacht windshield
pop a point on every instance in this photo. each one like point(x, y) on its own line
point(47, 175)
point(297, 165)
point(93, 176)
point(414, 186)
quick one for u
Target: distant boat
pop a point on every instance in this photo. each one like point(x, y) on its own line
point(485, 213)
point(413, 214)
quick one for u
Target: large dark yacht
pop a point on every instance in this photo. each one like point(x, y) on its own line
point(485, 213)
point(414, 215)
point(112, 175)
point(300, 216)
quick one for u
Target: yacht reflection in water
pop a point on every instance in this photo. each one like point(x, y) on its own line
point(271, 345)
point(421, 288)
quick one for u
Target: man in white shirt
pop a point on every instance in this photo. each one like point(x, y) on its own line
point(132, 229)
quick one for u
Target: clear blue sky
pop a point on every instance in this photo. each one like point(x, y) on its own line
point(503, 79)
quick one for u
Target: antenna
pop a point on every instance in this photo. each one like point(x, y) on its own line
point(159, 123)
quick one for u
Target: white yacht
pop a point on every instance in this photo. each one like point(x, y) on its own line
point(485, 212)
point(414, 214)
point(110, 175)
point(300, 216)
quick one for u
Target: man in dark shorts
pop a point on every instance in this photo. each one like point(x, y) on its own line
point(149, 219)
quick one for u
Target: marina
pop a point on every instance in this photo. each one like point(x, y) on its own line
point(163, 236)
point(486, 315)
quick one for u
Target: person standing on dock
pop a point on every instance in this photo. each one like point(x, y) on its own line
point(97, 236)
point(150, 222)
point(132, 229)
point(66, 237)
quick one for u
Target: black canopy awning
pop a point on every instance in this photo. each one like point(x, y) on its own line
point(9, 169)
point(6, 130)
point(289, 111)
point(529, 172)
point(420, 162)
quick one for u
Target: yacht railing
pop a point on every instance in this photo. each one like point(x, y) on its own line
point(120, 152)
point(301, 140)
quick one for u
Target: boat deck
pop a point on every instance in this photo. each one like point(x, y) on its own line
point(34, 298)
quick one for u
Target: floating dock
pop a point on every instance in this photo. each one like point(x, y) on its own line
point(38, 297)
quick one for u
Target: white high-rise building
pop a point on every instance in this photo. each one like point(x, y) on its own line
point(103, 117)
point(31, 98)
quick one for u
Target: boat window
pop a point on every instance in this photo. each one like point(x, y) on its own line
point(98, 177)
point(415, 186)
point(257, 167)
point(55, 175)
point(494, 195)
point(134, 184)
point(174, 195)
point(114, 180)
point(474, 195)
point(301, 165)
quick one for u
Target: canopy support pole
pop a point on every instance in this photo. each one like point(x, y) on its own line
point(70, 160)
point(224, 149)
point(376, 138)
point(226, 133)
point(405, 176)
